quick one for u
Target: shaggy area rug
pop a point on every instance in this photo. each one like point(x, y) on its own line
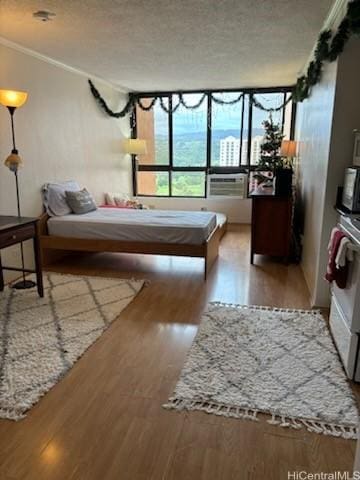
point(245, 360)
point(41, 338)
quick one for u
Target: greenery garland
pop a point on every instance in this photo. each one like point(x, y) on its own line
point(127, 109)
point(328, 49)
point(227, 102)
point(257, 104)
point(164, 107)
point(149, 107)
point(135, 100)
point(191, 107)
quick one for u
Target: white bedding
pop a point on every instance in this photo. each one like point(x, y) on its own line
point(162, 226)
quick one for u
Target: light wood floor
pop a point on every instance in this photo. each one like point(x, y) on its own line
point(104, 420)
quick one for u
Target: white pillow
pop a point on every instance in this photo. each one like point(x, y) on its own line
point(54, 197)
point(109, 200)
point(120, 201)
point(116, 198)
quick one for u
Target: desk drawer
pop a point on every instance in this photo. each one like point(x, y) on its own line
point(17, 235)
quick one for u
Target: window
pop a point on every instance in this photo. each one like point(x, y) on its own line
point(153, 126)
point(153, 183)
point(268, 100)
point(189, 133)
point(188, 184)
point(221, 134)
point(287, 119)
point(228, 130)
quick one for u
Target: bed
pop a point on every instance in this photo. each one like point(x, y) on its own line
point(156, 232)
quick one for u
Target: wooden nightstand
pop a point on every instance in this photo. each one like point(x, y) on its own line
point(271, 224)
point(15, 230)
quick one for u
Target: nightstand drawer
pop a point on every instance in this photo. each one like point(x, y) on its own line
point(15, 236)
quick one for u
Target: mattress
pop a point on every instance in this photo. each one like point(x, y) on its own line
point(163, 226)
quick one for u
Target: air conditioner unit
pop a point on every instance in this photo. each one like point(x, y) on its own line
point(227, 185)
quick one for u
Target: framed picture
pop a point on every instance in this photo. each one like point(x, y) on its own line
point(356, 156)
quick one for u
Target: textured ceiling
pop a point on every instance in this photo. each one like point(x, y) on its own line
point(167, 44)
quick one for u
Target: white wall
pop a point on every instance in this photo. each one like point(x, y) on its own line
point(314, 120)
point(346, 118)
point(61, 134)
point(324, 129)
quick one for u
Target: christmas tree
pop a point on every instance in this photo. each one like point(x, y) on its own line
point(270, 148)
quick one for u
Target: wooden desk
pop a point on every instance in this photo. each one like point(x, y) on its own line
point(14, 230)
point(271, 224)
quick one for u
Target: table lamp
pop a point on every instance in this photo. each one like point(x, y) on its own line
point(288, 148)
point(135, 146)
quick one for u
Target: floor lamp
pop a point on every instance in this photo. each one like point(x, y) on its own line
point(12, 100)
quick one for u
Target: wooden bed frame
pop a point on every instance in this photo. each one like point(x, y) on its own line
point(54, 247)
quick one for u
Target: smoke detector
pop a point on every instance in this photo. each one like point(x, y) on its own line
point(44, 15)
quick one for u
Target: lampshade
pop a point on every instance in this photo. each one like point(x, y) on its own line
point(135, 146)
point(13, 162)
point(288, 148)
point(12, 98)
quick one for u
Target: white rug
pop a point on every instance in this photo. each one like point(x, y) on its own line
point(41, 338)
point(245, 360)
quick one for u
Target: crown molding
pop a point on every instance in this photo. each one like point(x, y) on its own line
point(334, 17)
point(336, 14)
point(32, 53)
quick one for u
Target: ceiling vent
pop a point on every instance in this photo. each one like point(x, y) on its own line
point(43, 15)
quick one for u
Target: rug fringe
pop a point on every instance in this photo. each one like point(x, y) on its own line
point(316, 426)
point(266, 308)
point(214, 408)
point(313, 426)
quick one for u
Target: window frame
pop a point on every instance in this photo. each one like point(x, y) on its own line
point(208, 168)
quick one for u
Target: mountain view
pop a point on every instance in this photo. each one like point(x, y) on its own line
point(189, 148)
